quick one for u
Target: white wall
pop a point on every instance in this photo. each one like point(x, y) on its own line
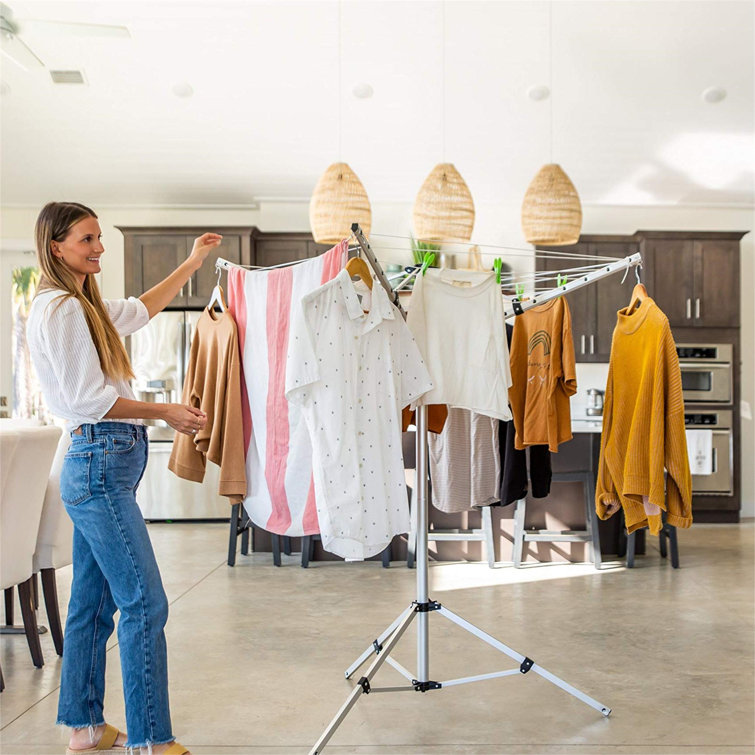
point(395, 218)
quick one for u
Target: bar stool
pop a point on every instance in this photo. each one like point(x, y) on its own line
point(667, 531)
point(589, 535)
point(241, 526)
point(483, 534)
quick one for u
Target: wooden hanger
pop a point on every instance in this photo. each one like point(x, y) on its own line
point(357, 266)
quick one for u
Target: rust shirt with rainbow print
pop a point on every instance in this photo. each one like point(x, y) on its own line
point(543, 375)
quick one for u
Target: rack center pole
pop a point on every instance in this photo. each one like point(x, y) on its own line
point(423, 640)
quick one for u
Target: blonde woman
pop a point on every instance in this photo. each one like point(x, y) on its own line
point(83, 368)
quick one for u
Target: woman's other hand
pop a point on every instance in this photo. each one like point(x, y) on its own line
point(185, 419)
point(203, 245)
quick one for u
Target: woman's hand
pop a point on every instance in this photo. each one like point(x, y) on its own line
point(203, 245)
point(186, 419)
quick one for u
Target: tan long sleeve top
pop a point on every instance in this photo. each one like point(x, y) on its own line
point(643, 426)
point(213, 384)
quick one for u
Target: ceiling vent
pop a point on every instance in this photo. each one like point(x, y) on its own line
point(67, 77)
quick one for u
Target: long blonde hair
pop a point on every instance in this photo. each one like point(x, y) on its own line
point(54, 224)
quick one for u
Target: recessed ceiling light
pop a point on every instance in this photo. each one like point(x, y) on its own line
point(713, 95)
point(182, 89)
point(539, 93)
point(363, 91)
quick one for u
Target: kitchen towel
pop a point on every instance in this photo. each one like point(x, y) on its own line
point(700, 451)
point(280, 494)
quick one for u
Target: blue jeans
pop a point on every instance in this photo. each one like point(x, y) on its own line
point(114, 567)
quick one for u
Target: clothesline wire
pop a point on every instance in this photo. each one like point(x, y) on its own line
point(539, 275)
point(540, 254)
point(523, 251)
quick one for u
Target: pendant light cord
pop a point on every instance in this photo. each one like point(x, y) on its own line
point(443, 79)
point(340, 76)
point(550, 76)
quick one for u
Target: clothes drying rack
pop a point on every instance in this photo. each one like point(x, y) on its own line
point(421, 608)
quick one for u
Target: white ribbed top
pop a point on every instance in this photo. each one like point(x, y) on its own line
point(65, 359)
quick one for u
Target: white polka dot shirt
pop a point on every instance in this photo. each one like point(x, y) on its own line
point(352, 373)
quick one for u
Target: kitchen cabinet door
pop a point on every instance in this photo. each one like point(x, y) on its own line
point(611, 295)
point(315, 250)
point(205, 279)
point(716, 291)
point(276, 251)
point(673, 279)
point(581, 302)
point(153, 258)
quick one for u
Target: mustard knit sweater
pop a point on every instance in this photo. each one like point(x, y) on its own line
point(643, 426)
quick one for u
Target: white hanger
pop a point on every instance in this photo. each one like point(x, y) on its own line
point(217, 296)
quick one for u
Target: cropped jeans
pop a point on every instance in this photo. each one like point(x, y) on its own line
point(114, 567)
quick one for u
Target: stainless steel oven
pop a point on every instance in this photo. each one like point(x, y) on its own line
point(719, 422)
point(706, 372)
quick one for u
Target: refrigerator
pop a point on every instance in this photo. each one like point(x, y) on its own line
point(159, 357)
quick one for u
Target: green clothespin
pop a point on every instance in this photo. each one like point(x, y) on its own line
point(428, 260)
point(497, 265)
point(561, 280)
point(519, 290)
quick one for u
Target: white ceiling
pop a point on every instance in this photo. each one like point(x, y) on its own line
point(629, 124)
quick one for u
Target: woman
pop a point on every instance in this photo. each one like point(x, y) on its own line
point(83, 369)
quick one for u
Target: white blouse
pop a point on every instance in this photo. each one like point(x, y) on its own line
point(456, 317)
point(66, 361)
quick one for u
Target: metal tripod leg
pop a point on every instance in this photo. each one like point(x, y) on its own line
point(376, 646)
point(526, 664)
point(363, 685)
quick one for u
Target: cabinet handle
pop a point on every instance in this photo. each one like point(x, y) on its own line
point(583, 343)
point(181, 293)
point(697, 309)
point(689, 308)
point(191, 293)
point(592, 344)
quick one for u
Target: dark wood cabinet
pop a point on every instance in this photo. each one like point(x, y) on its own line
point(593, 308)
point(695, 277)
point(279, 248)
point(151, 254)
point(206, 278)
point(151, 258)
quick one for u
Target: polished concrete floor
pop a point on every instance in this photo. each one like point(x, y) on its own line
point(257, 654)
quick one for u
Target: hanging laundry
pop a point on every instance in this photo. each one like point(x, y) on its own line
point(544, 375)
point(514, 465)
point(514, 485)
point(436, 417)
point(457, 318)
point(465, 462)
point(351, 373)
point(213, 384)
point(280, 496)
point(643, 426)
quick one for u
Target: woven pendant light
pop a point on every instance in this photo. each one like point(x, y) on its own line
point(551, 210)
point(444, 209)
point(339, 199)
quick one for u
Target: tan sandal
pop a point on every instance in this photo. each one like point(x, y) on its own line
point(176, 748)
point(105, 744)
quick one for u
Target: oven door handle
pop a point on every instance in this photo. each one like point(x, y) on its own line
point(704, 367)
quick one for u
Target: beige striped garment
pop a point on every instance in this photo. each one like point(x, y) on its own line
point(465, 462)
